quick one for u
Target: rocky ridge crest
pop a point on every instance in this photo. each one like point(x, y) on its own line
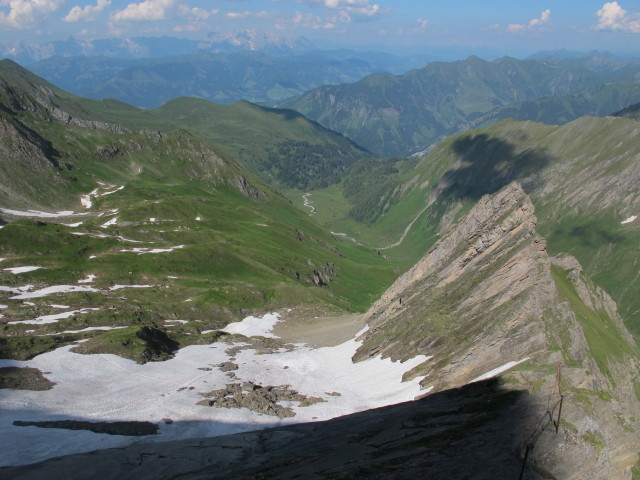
point(488, 295)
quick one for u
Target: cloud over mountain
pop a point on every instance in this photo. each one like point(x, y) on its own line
point(613, 17)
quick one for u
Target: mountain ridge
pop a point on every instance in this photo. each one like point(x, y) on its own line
point(403, 114)
point(488, 296)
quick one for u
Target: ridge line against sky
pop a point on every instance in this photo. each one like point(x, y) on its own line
point(533, 26)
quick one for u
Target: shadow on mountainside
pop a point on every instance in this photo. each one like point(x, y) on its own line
point(478, 431)
point(486, 164)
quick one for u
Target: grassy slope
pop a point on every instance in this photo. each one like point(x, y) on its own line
point(243, 254)
point(579, 176)
point(603, 336)
point(251, 134)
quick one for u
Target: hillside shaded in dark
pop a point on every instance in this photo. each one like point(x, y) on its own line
point(479, 431)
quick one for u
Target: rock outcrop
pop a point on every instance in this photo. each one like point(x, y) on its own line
point(484, 279)
point(258, 398)
point(487, 297)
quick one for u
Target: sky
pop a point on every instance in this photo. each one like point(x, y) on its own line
point(506, 26)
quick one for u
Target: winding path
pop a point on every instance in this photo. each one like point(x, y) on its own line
point(406, 231)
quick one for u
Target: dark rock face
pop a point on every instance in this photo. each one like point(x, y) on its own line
point(257, 398)
point(227, 366)
point(158, 343)
point(249, 190)
point(135, 429)
point(473, 432)
point(322, 276)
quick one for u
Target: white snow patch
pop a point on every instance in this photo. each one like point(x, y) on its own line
point(629, 220)
point(89, 329)
point(17, 290)
point(93, 256)
point(198, 219)
point(177, 321)
point(152, 219)
point(498, 370)
point(2, 259)
point(90, 278)
point(16, 270)
point(2, 307)
point(60, 306)
point(95, 235)
point(43, 292)
point(255, 326)
point(142, 250)
point(112, 191)
point(108, 223)
point(39, 214)
point(122, 239)
point(107, 388)
point(204, 332)
point(72, 225)
point(86, 202)
point(118, 287)
point(44, 319)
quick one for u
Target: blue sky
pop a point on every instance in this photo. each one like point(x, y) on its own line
point(509, 26)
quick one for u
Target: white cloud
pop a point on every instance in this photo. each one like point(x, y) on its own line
point(544, 18)
point(195, 13)
point(310, 21)
point(533, 24)
point(87, 13)
point(515, 27)
point(144, 11)
point(195, 18)
point(248, 14)
point(613, 17)
point(24, 14)
point(422, 24)
point(346, 11)
point(420, 29)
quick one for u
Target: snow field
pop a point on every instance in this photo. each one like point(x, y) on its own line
point(498, 370)
point(16, 270)
point(53, 318)
point(110, 388)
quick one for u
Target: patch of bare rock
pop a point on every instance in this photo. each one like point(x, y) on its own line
point(258, 398)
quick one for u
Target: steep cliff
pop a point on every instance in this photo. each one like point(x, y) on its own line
point(488, 297)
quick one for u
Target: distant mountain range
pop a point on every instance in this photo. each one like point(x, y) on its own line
point(218, 76)
point(147, 47)
point(399, 115)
